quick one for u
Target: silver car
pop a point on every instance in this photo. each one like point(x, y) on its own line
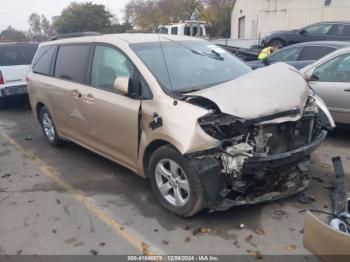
point(330, 78)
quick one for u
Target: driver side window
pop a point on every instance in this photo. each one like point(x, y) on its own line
point(108, 64)
point(334, 70)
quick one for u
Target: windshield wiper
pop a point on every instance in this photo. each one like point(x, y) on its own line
point(214, 55)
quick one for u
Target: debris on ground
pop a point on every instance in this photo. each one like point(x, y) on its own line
point(279, 214)
point(201, 230)
point(5, 175)
point(54, 231)
point(28, 138)
point(155, 230)
point(102, 244)
point(241, 226)
point(260, 231)
point(19, 252)
point(30, 201)
point(325, 165)
point(329, 187)
point(187, 239)
point(255, 253)
point(145, 248)
point(306, 198)
point(318, 179)
point(165, 242)
point(236, 244)
point(58, 201)
point(93, 252)
point(249, 238)
point(290, 247)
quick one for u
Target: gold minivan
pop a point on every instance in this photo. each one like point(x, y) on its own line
point(197, 122)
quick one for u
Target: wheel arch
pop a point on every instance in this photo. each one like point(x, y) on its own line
point(150, 149)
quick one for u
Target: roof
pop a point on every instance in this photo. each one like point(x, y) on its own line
point(335, 44)
point(127, 37)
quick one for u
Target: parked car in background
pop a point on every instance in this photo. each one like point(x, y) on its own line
point(330, 78)
point(186, 114)
point(300, 55)
point(324, 31)
point(15, 60)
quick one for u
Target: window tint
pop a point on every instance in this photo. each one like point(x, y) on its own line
point(321, 29)
point(108, 64)
point(17, 54)
point(284, 55)
point(71, 63)
point(335, 70)
point(174, 30)
point(340, 30)
point(315, 52)
point(43, 59)
point(163, 30)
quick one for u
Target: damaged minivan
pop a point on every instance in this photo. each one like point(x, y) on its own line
point(197, 122)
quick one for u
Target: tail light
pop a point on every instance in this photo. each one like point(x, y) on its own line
point(1, 79)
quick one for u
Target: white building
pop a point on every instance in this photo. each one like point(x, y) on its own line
point(253, 19)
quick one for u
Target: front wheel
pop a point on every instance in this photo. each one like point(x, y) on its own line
point(174, 183)
point(277, 43)
point(49, 128)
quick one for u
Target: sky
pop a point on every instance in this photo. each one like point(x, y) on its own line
point(16, 12)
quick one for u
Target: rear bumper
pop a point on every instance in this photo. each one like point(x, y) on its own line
point(13, 91)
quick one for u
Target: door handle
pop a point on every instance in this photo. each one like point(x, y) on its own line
point(347, 89)
point(76, 94)
point(89, 98)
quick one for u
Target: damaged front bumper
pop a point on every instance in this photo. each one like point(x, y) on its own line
point(274, 176)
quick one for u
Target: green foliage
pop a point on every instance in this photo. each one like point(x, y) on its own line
point(83, 17)
point(12, 35)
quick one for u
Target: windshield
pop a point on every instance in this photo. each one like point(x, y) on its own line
point(17, 54)
point(193, 65)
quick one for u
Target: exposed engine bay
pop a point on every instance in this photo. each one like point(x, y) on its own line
point(258, 160)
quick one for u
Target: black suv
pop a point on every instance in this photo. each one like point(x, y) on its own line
point(339, 31)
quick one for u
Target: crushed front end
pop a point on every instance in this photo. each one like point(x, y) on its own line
point(258, 160)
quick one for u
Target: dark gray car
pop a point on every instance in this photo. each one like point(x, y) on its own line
point(324, 31)
point(300, 55)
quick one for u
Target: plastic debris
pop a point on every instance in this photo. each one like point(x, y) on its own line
point(306, 198)
point(290, 247)
point(260, 231)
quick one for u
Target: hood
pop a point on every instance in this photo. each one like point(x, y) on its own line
point(263, 92)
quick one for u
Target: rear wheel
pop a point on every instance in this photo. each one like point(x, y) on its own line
point(49, 128)
point(174, 183)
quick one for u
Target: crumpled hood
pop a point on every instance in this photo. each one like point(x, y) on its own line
point(263, 92)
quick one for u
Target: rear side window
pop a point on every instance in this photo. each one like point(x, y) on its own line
point(174, 30)
point(315, 52)
point(42, 60)
point(17, 54)
point(71, 62)
point(340, 30)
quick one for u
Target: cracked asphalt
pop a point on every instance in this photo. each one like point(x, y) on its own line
point(70, 201)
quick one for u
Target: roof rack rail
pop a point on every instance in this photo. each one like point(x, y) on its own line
point(70, 35)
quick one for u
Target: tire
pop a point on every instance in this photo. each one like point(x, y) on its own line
point(277, 42)
point(49, 128)
point(2, 103)
point(187, 203)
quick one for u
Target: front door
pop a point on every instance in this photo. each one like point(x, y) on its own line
point(331, 81)
point(241, 27)
point(111, 118)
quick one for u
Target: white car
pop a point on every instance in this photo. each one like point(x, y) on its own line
point(15, 60)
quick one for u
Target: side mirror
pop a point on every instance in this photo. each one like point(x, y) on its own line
point(121, 85)
point(308, 75)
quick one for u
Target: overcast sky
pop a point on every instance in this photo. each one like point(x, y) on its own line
point(16, 12)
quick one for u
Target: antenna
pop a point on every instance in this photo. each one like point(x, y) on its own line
point(166, 65)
